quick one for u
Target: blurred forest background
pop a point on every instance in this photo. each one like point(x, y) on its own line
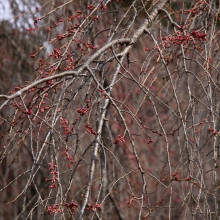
point(130, 131)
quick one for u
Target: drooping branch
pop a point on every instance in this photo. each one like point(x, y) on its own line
point(134, 39)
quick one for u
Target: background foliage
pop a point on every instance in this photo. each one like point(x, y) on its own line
point(110, 110)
